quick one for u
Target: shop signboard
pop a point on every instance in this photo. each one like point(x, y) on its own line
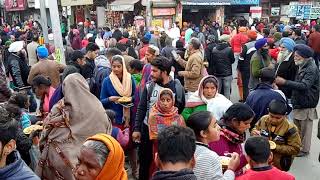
point(256, 12)
point(275, 11)
point(157, 23)
point(76, 2)
point(303, 11)
point(245, 2)
point(163, 11)
point(15, 5)
point(315, 13)
point(205, 2)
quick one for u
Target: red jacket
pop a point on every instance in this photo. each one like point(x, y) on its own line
point(270, 174)
point(143, 50)
point(238, 41)
point(314, 41)
point(274, 53)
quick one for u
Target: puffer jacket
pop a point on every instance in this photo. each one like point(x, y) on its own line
point(221, 62)
point(305, 88)
point(238, 41)
point(286, 136)
point(18, 69)
point(17, 169)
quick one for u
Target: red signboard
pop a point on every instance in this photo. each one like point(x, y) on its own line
point(15, 5)
point(163, 11)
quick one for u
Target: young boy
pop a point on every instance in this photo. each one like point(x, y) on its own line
point(276, 127)
point(121, 136)
point(175, 156)
point(135, 69)
point(258, 156)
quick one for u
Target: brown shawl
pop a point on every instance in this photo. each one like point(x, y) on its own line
point(71, 121)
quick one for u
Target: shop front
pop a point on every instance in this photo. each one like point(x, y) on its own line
point(14, 10)
point(240, 9)
point(164, 13)
point(207, 10)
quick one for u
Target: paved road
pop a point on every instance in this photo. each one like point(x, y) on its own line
point(304, 168)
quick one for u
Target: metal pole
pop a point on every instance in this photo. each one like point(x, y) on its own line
point(43, 20)
point(149, 14)
point(56, 29)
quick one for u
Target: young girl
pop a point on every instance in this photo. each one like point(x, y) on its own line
point(208, 164)
point(121, 136)
point(18, 105)
point(163, 114)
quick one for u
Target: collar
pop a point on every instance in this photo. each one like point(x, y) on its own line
point(263, 86)
point(264, 168)
point(202, 144)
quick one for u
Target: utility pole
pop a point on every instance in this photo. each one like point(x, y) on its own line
point(43, 20)
point(56, 29)
point(149, 14)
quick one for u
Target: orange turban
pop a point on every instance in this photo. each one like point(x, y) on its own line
point(113, 168)
point(242, 29)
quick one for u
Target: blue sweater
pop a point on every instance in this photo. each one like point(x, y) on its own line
point(107, 91)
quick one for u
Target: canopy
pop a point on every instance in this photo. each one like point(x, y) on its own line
point(205, 2)
point(123, 5)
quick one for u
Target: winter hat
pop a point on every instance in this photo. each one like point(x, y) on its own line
point(288, 43)
point(260, 43)
point(242, 29)
point(197, 29)
point(42, 52)
point(16, 46)
point(224, 38)
point(303, 50)
point(147, 36)
point(252, 34)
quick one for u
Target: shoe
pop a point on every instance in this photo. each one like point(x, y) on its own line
point(302, 154)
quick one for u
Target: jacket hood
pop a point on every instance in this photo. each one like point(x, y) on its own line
point(222, 46)
point(185, 174)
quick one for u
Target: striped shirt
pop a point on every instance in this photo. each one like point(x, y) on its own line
point(208, 165)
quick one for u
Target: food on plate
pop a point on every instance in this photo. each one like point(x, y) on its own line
point(224, 160)
point(125, 99)
point(273, 145)
point(32, 128)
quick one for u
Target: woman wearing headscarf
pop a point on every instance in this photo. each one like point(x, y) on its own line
point(76, 40)
point(106, 159)
point(118, 84)
point(207, 98)
point(67, 126)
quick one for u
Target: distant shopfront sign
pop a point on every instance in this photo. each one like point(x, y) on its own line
point(245, 2)
point(163, 11)
point(15, 5)
point(76, 2)
point(205, 2)
point(315, 13)
point(256, 12)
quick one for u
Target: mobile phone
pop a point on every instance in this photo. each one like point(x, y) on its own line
point(175, 55)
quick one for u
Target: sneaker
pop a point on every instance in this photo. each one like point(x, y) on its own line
point(302, 154)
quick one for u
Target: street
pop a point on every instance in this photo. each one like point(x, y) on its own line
point(303, 168)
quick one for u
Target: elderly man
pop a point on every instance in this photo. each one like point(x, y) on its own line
point(305, 94)
point(193, 67)
point(46, 67)
point(285, 66)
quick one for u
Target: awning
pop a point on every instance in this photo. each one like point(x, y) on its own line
point(123, 5)
point(205, 2)
point(160, 3)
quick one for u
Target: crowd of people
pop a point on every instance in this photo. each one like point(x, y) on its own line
point(156, 104)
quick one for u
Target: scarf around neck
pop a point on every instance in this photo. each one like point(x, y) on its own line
point(231, 135)
point(123, 88)
point(160, 119)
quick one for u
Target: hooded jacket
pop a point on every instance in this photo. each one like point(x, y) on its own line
point(17, 169)
point(220, 63)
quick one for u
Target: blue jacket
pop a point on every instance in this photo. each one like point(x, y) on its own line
point(17, 170)
point(107, 91)
point(260, 98)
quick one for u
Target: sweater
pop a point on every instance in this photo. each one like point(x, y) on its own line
point(266, 174)
point(208, 166)
point(186, 113)
point(107, 91)
point(224, 145)
point(17, 169)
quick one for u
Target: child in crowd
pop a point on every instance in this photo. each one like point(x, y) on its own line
point(208, 164)
point(18, 105)
point(135, 70)
point(259, 155)
point(163, 114)
point(276, 127)
point(121, 136)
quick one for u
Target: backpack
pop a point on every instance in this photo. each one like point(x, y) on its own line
point(95, 82)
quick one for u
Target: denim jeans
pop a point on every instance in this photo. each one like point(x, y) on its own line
point(235, 65)
point(225, 82)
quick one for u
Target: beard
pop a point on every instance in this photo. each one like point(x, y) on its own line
point(158, 80)
point(283, 55)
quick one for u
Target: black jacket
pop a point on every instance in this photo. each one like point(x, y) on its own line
point(248, 50)
point(18, 69)
point(288, 71)
point(208, 51)
point(88, 68)
point(221, 61)
point(305, 88)
point(184, 174)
